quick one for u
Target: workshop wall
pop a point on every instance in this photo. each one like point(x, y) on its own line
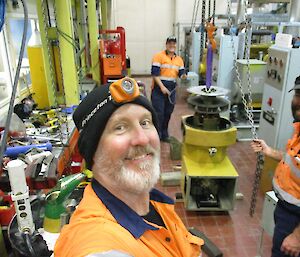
point(147, 25)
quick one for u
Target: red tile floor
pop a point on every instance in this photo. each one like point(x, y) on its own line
point(235, 232)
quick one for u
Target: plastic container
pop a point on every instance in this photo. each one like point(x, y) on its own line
point(16, 129)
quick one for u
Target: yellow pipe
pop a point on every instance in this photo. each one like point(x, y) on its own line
point(46, 58)
point(67, 51)
point(94, 33)
point(80, 32)
point(104, 14)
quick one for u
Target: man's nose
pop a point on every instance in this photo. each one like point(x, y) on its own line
point(139, 136)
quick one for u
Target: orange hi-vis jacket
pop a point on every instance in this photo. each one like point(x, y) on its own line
point(167, 68)
point(102, 223)
point(286, 181)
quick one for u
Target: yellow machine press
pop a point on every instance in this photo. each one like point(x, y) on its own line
point(208, 176)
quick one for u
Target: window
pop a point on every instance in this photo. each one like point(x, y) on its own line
point(15, 30)
point(5, 73)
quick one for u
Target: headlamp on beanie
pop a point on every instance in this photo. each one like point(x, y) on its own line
point(124, 90)
point(121, 91)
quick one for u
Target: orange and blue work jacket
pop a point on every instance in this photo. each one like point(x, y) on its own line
point(102, 223)
point(286, 181)
point(166, 68)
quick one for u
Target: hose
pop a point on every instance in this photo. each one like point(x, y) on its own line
point(15, 85)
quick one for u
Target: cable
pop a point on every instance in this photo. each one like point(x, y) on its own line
point(169, 96)
point(26, 237)
point(194, 9)
point(196, 13)
point(69, 39)
point(15, 85)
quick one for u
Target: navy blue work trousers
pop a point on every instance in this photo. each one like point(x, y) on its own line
point(163, 107)
point(287, 218)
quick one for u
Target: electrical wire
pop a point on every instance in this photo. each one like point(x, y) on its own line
point(67, 36)
point(69, 39)
point(193, 16)
point(15, 85)
point(27, 240)
point(169, 96)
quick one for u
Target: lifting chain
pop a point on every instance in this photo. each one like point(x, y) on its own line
point(209, 8)
point(214, 11)
point(202, 27)
point(247, 103)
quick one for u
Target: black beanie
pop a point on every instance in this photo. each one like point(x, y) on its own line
point(92, 114)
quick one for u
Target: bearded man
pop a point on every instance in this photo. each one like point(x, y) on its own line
point(286, 184)
point(121, 214)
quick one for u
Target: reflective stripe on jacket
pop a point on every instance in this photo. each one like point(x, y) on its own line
point(167, 68)
point(286, 181)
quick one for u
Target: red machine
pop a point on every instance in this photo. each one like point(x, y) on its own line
point(7, 209)
point(112, 54)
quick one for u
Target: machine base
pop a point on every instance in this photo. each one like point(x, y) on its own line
point(215, 181)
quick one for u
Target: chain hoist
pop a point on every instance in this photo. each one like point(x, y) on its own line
point(209, 8)
point(247, 103)
point(214, 12)
point(202, 27)
point(259, 156)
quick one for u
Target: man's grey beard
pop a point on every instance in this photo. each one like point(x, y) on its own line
point(142, 179)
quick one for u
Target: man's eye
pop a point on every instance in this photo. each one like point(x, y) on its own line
point(146, 123)
point(119, 127)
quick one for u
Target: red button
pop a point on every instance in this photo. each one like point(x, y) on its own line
point(270, 101)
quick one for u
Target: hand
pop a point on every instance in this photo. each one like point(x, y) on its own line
point(164, 90)
point(183, 76)
point(291, 245)
point(259, 145)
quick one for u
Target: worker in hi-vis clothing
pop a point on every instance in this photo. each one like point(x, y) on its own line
point(286, 184)
point(167, 66)
point(121, 214)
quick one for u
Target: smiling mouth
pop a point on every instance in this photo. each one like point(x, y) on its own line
point(139, 157)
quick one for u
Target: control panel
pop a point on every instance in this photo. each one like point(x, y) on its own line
point(276, 118)
point(277, 67)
